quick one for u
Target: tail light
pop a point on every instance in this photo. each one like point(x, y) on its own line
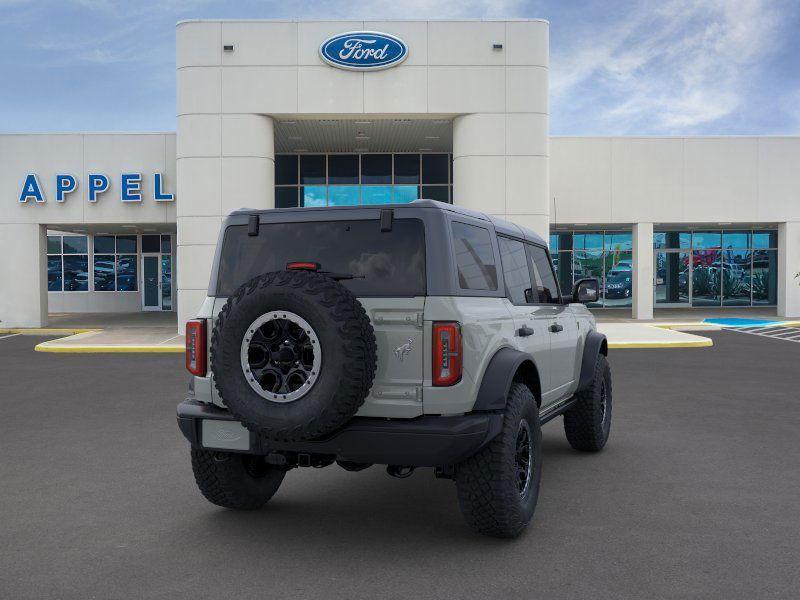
point(196, 347)
point(447, 353)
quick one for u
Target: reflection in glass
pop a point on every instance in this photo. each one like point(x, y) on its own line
point(126, 274)
point(736, 239)
point(765, 239)
point(434, 168)
point(166, 244)
point(618, 287)
point(405, 193)
point(376, 194)
point(104, 244)
point(706, 277)
point(343, 168)
point(75, 244)
point(76, 273)
point(406, 168)
point(618, 241)
point(343, 195)
point(126, 244)
point(312, 168)
point(104, 272)
point(435, 192)
point(765, 277)
point(562, 262)
point(166, 282)
point(54, 244)
point(672, 278)
point(285, 197)
point(706, 240)
point(672, 239)
point(313, 195)
point(588, 241)
point(376, 168)
point(54, 277)
point(736, 278)
point(589, 264)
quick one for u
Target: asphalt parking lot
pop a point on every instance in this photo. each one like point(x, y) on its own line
point(695, 496)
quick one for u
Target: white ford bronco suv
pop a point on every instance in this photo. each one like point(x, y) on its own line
point(413, 335)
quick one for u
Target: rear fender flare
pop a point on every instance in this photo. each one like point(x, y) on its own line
point(499, 375)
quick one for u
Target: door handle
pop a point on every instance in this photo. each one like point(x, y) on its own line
point(555, 328)
point(524, 331)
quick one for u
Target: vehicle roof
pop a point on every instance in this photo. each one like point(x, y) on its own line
point(500, 225)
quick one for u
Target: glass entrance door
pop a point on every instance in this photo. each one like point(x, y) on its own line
point(151, 276)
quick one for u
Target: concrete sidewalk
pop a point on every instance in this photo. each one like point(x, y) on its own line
point(157, 333)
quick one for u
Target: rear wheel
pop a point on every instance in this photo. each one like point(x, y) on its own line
point(232, 480)
point(498, 487)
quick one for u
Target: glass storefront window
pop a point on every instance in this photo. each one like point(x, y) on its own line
point(376, 168)
point(312, 168)
point(376, 194)
point(434, 168)
point(562, 261)
point(406, 168)
point(410, 176)
point(343, 195)
point(672, 239)
point(736, 239)
point(75, 244)
point(314, 195)
point(672, 278)
point(436, 192)
point(588, 241)
point(736, 277)
point(765, 239)
point(126, 274)
point(405, 193)
point(588, 264)
point(104, 244)
point(343, 169)
point(55, 279)
point(104, 272)
point(151, 243)
point(286, 169)
point(126, 244)
point(706, 277)
point(54, 244)
point(706, 240)
point(76, 273)
point(166, 244)
point(765, 277)
point(618, 241)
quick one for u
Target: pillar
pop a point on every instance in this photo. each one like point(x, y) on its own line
point(788, 268)
point(501, 167)
point(642, 276)
point(225, 162)
point(23, 269)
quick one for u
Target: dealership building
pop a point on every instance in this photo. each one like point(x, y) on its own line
point(286, 113)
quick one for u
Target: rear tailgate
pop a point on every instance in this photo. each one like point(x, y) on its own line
point(399, 326)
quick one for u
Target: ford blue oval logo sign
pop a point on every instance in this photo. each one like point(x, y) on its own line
point(363, 50)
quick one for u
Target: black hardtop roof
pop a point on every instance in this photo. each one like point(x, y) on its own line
point(500, 225)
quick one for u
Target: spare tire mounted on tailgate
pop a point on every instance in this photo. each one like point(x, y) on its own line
point(293, 354)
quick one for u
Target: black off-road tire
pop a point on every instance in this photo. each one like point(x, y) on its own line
point(488, 489)
point(232, 480)
point(588, 423)
point(348, 354)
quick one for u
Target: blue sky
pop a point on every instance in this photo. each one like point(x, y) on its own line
point(617, 68)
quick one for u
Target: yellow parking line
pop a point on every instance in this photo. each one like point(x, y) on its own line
point(98, 349)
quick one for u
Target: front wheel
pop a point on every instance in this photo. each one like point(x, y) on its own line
point(588, 423)
point(232, 480)
point(498, 487)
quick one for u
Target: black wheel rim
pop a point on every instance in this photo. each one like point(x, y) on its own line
point(523, 458)
point(603, 402)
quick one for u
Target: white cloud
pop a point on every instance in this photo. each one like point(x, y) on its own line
point(669, 69)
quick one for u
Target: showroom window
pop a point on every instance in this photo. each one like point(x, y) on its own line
point(361, 179)
point(606, 255)
point(716, 267)
point(67, 263)
point(115, 263)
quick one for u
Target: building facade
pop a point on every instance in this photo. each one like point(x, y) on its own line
point(287, 113)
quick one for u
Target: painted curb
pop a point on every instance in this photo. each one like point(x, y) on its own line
point(59, 349)
point(704, 343)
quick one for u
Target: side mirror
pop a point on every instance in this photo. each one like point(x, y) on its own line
point(586, 290)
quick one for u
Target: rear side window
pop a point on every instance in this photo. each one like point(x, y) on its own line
point(515, 270)
point(546, 285)
point(387, 264)
point(474, 257)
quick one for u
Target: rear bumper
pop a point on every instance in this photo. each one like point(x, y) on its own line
point(428, 441)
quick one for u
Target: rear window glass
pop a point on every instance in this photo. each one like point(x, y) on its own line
point(474, 257)
point(384, 263)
